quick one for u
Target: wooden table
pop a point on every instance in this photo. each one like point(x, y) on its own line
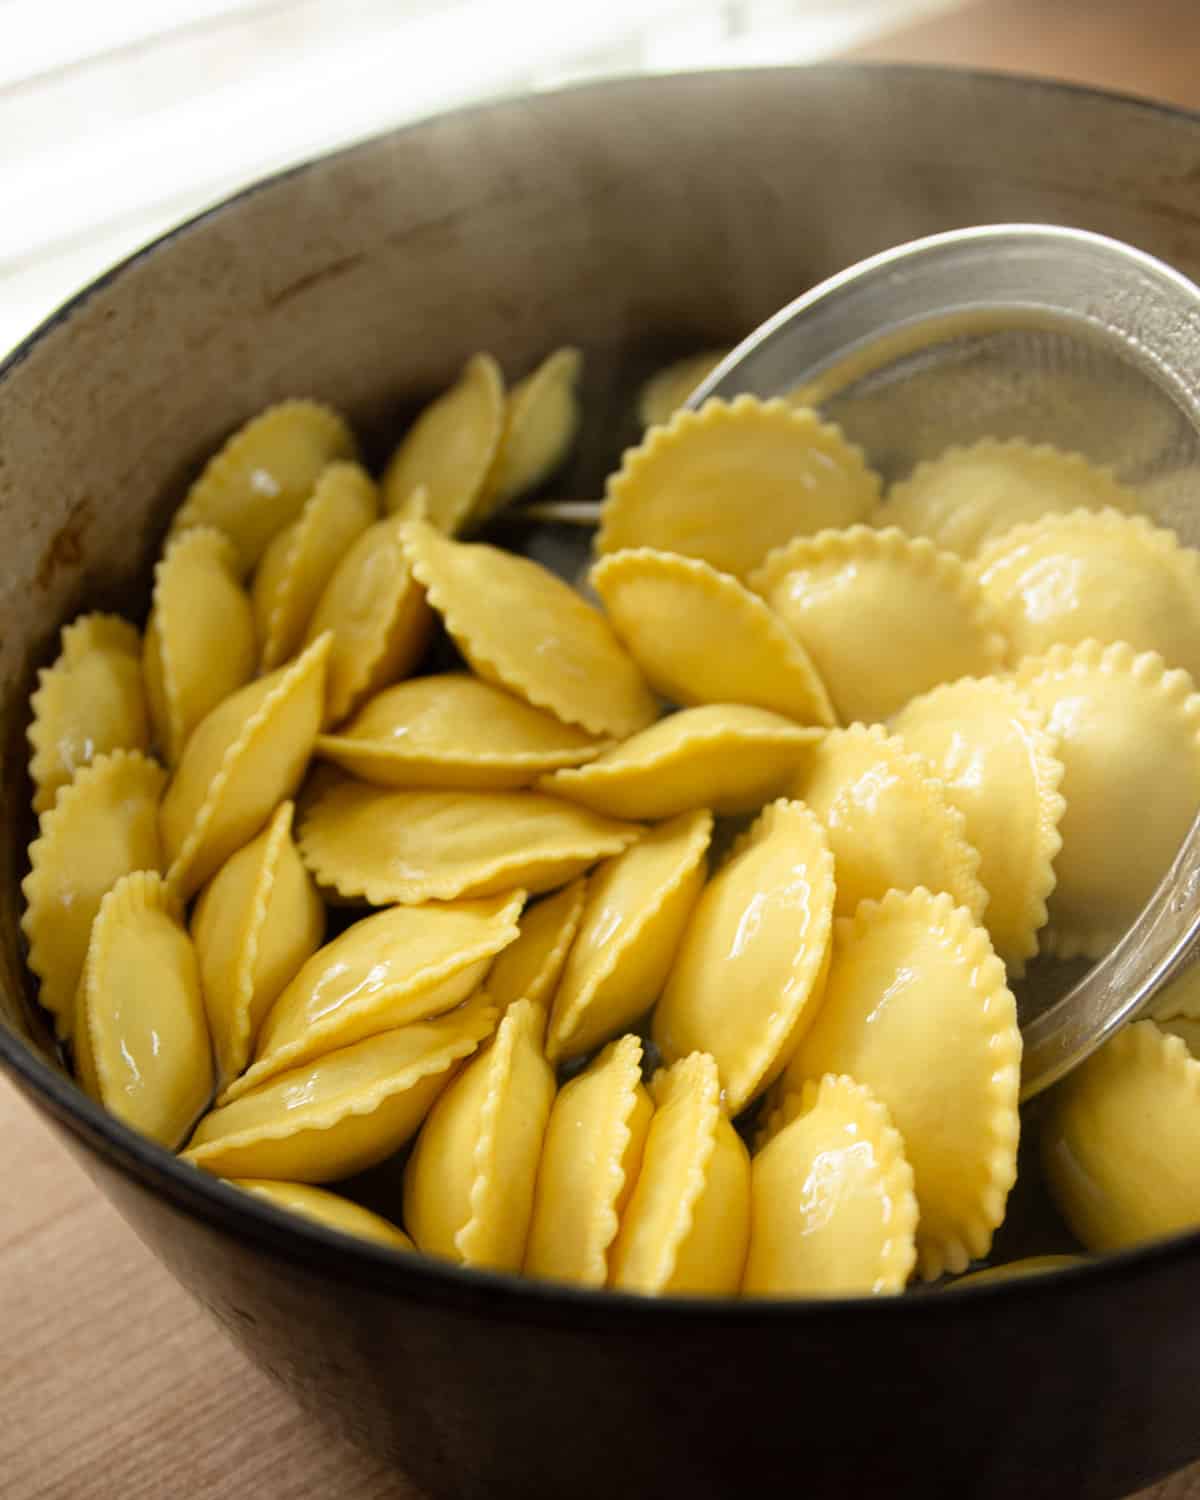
point(112, 1382)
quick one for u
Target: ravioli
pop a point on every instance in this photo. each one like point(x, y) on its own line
point(531, 966)
point(141, 1040)
point(998, 765)
point(751, 965)
point(522, 628)
point(378, 618)
point(850, 599)
point(330, 1210)
point(966, 497)
point(668, 389)
point(302, 558)
point(734, 480)
point(255, 923)
point(243, 759)
point(833, 1212)
point(700, 636)
point(1128, 733)
point(686, 1228)
point(724, 756)
point(343, 1112)
point(1014, 1270)
point(451, 448)
point(916, 1008)
point(384, 846)
point(591, 1157)
point(541, 419)
point(889, 822)
point(1179, 1000)
point(104, 824)
point(469, 1183)
point(258, 482)
point(89, 702)
point(401, 965)
point(1121, 1139)
point(638, 904)
point(1094, 575)
point(200, 643)
point(452, 730)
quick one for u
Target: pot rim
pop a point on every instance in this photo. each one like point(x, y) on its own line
point(348, 1259)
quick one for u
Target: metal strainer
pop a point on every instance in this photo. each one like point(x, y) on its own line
point(1013, 330)
point(1033, 331)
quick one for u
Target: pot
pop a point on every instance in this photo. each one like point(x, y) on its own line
point(638, 220)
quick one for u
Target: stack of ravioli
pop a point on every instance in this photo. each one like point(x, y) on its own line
point(665, 943)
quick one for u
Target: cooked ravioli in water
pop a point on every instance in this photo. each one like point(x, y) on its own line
point(613, 892)
point(916, 1008)
point(700, 636)
point(727, 757)
point(452, 730)
point(848, 598)
point(734, 480)
point(345, 1111)
point(255, 923)
point(89, 702)
point(381, 846)
point(200, 642)
point(468, 1186)
point(141, 1038)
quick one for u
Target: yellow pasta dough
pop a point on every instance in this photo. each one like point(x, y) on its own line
point(1121, 1140)
point(1128, 736)
point(724, 756)
point(141, 1039)
point(667, 389)
point(686, 1228)
point(1014, 1270)
point(889, 822)
point(452, 730)
point(638, 904)
point(243, 759)
point(200, 643)
point(833, 1212)
point(344, 1112)
point(883, 616)
point(377, 615)
point(967, 496)
point(302, 558)
point(998, 765)
point(468, 1186)
point(530, 967)
point(89, 702)
point(384, 846)
point(328, 1209)
point(1179, 1000)
point(256, 922)
point(591, 1157)
point(103, 825)
point(751, 964)
point(733, 481)
point(1094, 575)
point(258, 482)
point(917, 1009)
point(451, 448)
point(702, 637)
point(522, 628)
point(401, 965)
point(541, 419)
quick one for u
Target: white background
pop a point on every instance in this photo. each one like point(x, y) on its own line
point(120, 117)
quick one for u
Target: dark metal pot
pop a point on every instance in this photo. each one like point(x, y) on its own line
point(635, 219)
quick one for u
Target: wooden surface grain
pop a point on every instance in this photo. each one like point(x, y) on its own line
point(112, 1382)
